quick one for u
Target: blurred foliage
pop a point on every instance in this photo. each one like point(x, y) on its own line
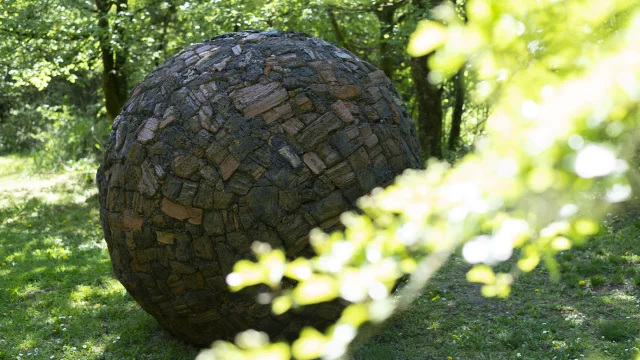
point(563, 85)
point(55, 125)
point(51, 51)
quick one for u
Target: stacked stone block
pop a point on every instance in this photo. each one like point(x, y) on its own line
point(247, 137)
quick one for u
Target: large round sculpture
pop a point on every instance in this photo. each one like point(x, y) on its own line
point(247, 137)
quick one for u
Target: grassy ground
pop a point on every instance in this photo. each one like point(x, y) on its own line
point(593, 312)
point(58, 299)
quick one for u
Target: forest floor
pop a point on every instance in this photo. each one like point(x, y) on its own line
point(59, 300)
point(58, 297)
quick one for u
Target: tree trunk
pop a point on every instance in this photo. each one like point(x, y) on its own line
point(429, 103)
point(456, 119)
point(162, 44)
point(113, 60)
point(385, 16)
point(342, 42)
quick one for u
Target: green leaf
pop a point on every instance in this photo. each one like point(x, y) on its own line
point(561, 243)
point(530, 260)
point(310, 344)
point(299, 269)
point(586, 227)
point(481, 274)
point(246, 273)
point(281, 304)
point(355, 314)
point(429, 36)
point(316, 289)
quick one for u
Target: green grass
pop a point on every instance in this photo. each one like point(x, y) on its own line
point(58, 298)
point(593, 312)
point(13, 165)
point(58, 295)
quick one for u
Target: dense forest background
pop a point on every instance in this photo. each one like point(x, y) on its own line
point(66, 66)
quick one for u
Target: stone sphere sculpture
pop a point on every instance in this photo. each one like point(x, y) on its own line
point(251, 136)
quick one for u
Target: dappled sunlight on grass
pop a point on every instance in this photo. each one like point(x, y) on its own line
point(16, 165)
point(20, 181)
point(57, 293)
point(57, 189)
point(539, 320)
point(572, 314)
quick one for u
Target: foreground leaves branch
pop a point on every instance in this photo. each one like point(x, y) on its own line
point(549, 142)
point(529, 188)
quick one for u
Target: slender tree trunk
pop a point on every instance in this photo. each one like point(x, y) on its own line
point(385, 16)
point(113, 60)
point(429, 104)
point(456, 119)
point(162, 44)
point(342, 41)
point(428, 99)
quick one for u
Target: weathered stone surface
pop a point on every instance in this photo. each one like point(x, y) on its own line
point(181, 212)
point(263, 202)
point(340, 109)
point(202, 247)
point(314, 162)
point(148, 184)
point(148, 130)
point(247, 137)
point(240, 183)
point(165, 237)
point(187, 193)
point(290, 155)
point(359, 160)
point(172, 187)
point(214, 223)
point(346, 141)
point(341, 175)
point(176, 285)
point(319, 129)
point(228, 166)
point(328, 207)
point(345, 91)
point(132, 221)
point(289, 199)
point(283, 111)
point(259, 98)
point(328, 154)
point(293, 126)
point(223, 199)
point(252, 168)
point(302, 104)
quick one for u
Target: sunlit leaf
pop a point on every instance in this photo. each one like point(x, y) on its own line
point(299, 269)
point(428, 36)
point(316, 289)
point(281, 304)
point(481, 274)
point(586, 227)
point(310, 344)
point(246, 273)
point(530, 259)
